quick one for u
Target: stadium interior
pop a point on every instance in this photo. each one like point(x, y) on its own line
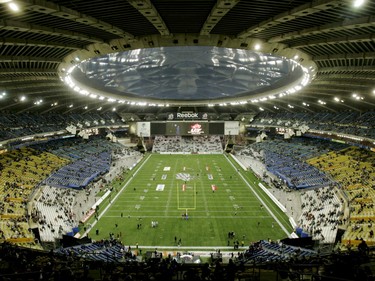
point(91, 90)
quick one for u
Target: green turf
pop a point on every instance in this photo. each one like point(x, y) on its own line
point(211, 214)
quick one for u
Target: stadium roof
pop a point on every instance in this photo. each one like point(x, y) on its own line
point(44, 42)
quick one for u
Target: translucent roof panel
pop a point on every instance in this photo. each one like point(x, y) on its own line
point(187, 73)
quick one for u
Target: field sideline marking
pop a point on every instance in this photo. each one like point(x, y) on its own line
point(260, 199)
point(117, 195)
point(143, 163)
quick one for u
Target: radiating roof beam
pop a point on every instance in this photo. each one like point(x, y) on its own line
point(347, 69)
point(364, 55)
point(33, 28)
point(327, 75)
point(303, 10)
point(35, 85)
point(28, 59)
point(332, 27)
point(29, 79)
point(220, 9)
point(34, 43)
point(34, 71)
point(56, 93)
point(343, 84)
point(53, 9)
point(330, 90)
point(148, 10)
point(336, 40)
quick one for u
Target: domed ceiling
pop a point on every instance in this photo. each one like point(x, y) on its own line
point(188, 74)
point(42, 41)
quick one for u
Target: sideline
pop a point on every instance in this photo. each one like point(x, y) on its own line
point(260, 199)
point(117, 195)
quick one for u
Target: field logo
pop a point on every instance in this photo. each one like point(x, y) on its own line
point(183, 176)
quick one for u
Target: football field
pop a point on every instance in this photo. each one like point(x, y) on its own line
point(192, 199)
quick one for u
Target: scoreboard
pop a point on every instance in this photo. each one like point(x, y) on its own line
point(187, 128)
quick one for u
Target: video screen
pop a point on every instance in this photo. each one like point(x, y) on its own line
point(193, 128)
point(187, 128)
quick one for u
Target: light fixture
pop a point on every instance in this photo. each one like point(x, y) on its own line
point(358, 3)
point(13, 6)
point(322, 102)
point(357, 97)
point(38, 102)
